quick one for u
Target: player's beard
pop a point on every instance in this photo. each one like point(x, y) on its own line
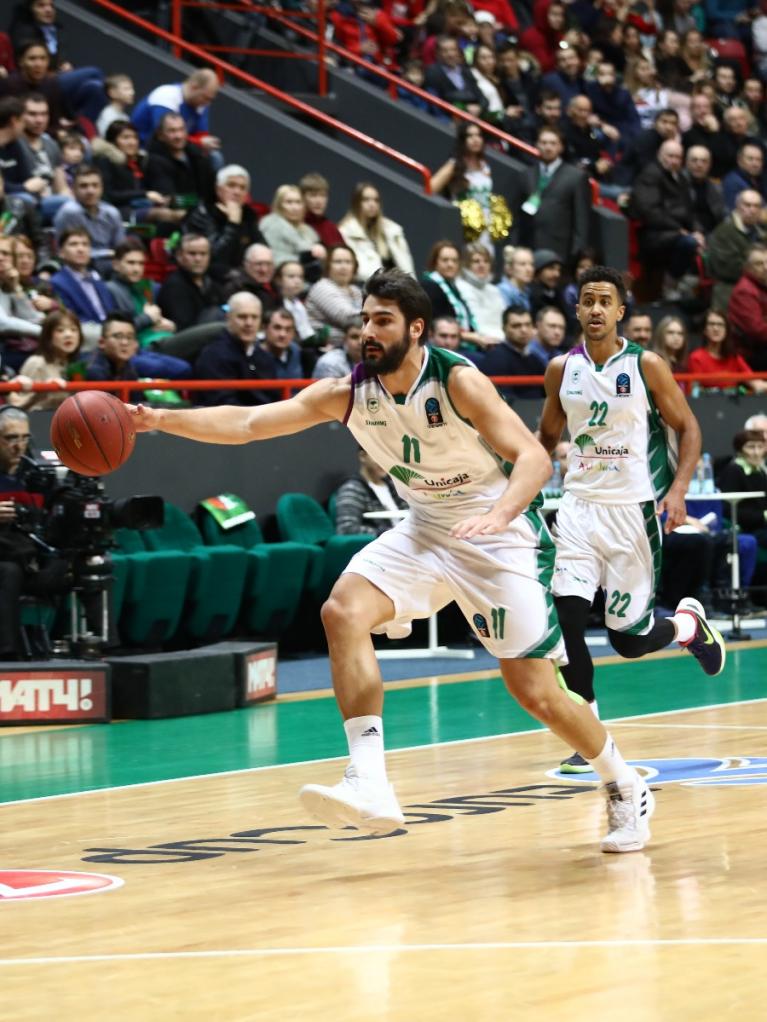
point(388, 361)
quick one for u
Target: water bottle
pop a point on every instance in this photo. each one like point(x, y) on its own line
point(554, 485)
point(694, 486)
point(707, 474)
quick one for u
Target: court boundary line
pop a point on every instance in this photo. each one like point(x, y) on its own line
point(511, 945)
point(333, 759)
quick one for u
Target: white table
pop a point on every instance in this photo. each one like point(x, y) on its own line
point(433, 647)
point(733, 498)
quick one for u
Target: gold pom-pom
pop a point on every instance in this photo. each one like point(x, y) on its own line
point(472, 218)
point(475, 221)
point(500, 218)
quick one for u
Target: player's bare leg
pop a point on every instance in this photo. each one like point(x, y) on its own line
point(630, 802)
point(364, 798)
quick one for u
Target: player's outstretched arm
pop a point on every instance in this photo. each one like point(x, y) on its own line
point(323, 401)
point(553, 418)
point(477, 400)
point(675, 411)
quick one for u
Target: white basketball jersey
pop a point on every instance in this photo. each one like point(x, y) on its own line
point(623, 452)
point(439, 463)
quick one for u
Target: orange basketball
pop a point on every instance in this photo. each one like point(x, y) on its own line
point(92, 433)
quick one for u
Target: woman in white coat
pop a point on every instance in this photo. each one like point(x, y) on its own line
point(375, 240)
point(485, 300)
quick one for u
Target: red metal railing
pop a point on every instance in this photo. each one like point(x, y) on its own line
point(124, 388)
point(223, 67)
point(323, 45)
point(252, 8)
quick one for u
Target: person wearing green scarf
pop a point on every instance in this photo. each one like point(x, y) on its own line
point(440, 284)
point(134, 293)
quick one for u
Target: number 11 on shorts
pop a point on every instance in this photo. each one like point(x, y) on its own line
point(498, 618)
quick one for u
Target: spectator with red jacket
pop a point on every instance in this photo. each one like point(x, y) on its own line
point(365, 31)
point(747, 309)
point(542, 38)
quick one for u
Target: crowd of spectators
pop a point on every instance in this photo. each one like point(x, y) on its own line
point(131, 248)
point(113, 203)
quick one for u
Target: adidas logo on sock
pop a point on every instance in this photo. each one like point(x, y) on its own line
point(370, 731)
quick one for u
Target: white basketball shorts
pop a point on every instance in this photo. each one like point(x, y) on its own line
point(501, 583)
point(613, 547)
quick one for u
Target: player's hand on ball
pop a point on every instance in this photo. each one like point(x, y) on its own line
point(143, 418)
point(481, 525)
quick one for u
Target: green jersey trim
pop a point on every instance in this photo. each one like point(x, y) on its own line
point(440, 362)
point(658, 460)
point(655, 539)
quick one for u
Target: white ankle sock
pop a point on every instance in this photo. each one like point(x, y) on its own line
point(366, 747)
point(685, 625)
point(611, 766)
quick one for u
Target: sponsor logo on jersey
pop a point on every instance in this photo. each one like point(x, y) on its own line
point(373, 405)
point(405, 475)
point(375, 422)
point(415, 481)
point(598, 466)
point(582, 441)
point(608, 451)
point(575, 375)
point(433, 413)
point(443, 483)
point(623, 385)
point(480, 623)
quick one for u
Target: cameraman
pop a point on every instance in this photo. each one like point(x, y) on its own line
point(22, 569)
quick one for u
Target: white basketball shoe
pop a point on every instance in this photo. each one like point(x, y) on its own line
point(629, 808)
point(354, 802)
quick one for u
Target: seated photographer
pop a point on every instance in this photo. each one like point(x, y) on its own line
point(25, 567)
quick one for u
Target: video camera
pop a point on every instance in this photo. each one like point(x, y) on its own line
point(76, 522)
point(76, 516)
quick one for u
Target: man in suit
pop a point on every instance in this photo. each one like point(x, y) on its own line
point(450, 80)
point(80, 290)
point(557, 207)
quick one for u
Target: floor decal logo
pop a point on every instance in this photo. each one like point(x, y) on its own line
point(260, 839)
point(26, 884)
point(733, 771)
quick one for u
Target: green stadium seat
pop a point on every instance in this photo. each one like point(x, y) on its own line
point(276, 575)
point(302, 519)
point(154, 590)
point(217, 576)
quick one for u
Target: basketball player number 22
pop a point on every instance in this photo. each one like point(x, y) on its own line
point(598, 411)
point(620, 603)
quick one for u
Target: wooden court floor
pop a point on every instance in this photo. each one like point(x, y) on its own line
point(493, 902)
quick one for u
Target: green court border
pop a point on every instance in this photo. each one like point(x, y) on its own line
point(51, 762)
